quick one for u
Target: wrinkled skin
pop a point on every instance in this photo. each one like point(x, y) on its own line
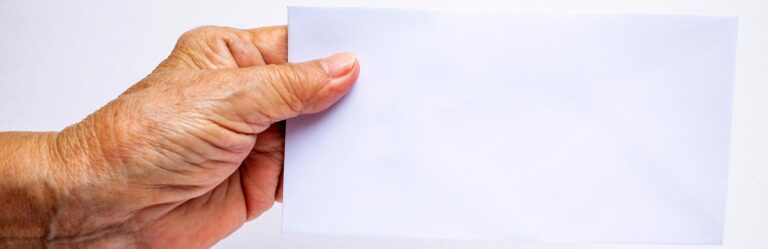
point(187, 155)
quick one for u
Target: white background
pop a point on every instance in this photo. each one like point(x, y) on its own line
point(61, 60)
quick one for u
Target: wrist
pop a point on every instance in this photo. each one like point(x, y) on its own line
point(86, 197)
point(50, 193)
point(29, 194)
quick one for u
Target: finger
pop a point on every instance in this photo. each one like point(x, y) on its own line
point(271, 42)
point(205, 47)
point(284, 91)
point(260, 46)
point(279, 193)
point(211, 47)
point(261, 170)
point(245, 53)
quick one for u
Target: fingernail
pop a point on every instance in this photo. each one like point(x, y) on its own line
point(339, 64)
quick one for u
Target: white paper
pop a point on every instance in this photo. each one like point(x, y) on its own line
point(536, 126)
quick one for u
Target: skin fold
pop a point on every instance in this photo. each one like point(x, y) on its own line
point(179, 160)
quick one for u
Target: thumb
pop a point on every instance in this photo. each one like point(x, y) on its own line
point(293, 89)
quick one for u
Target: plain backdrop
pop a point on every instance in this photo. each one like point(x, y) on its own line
point(61, 60)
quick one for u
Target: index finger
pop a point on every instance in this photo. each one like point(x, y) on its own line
point(272, 42)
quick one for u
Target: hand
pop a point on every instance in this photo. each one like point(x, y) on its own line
point(186, 156)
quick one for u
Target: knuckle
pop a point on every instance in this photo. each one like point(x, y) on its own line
point(198, 32)
point(211, 33)
point(205, 46)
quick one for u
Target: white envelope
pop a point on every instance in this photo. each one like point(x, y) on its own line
point(536, 126)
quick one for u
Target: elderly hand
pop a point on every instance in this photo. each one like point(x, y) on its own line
point(180, 160)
